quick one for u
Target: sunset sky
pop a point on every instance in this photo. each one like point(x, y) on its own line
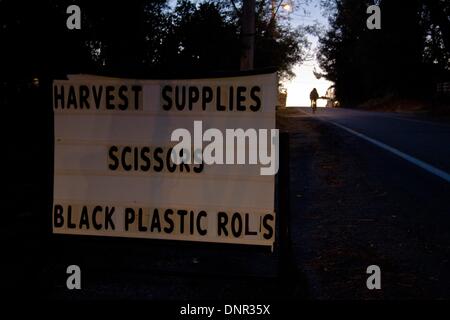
point(301, 85)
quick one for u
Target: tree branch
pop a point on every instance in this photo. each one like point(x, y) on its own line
point(235, 8)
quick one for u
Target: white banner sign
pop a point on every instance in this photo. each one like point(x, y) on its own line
point(114, 171)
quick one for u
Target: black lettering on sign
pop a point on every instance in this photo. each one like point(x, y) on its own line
point(84, 96)
point(97, 93)
point(207, 98)
point(168, 219)
point(191, 222)
point(269, 229)
point(183, 166)
point(109, 97)
point(144, 156)
point(202, 232)
point(247, 226)
point(95, 224)
point(70, 224)
point(236, 225)
point(231, 98)
point(124, 97)
point(72, 98)
point(253, 94)
point(84, 219)
point(170, 165)
point(241, 98)
point(182, 214)
point(222, 221)
point(126, 166)
point(58, 97)
point(167, 105)
point(219, 105)
point(112, 156)
point(193, 96)
point(58, 217)
point(156, 221)
point(180, 97)
point(137, 94)
point(136, 159)
point(199, 168)
point(108, 218)
point(156, 155)
point(129, 218)
point(141, 226)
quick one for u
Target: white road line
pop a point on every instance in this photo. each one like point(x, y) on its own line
point(425, 166)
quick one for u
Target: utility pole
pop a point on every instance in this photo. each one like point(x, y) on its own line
point(248, 35)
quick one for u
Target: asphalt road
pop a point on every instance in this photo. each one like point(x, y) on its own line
point(425, 140)
point(370, 188)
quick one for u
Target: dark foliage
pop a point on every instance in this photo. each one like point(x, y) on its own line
point(406, 58)
point(138, 38)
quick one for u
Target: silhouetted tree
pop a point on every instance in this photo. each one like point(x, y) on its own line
point(200, 39)
point(137, 38)
point(402, 59)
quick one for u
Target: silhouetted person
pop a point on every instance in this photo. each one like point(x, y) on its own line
point(314, 96)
